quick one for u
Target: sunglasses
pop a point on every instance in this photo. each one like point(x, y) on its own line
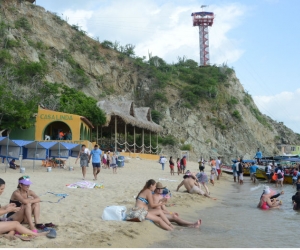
point(25, 177)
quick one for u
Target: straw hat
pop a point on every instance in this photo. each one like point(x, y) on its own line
point(159, 186)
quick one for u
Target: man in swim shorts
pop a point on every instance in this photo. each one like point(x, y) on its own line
point(96, 159)
point(191, 185)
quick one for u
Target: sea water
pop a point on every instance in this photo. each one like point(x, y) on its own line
point(235, 221)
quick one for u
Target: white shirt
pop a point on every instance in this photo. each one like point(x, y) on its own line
point(105, 156)
point(163, 160)
point(87, 151)
point(218, 163)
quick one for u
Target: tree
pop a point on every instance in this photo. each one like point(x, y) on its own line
point(76, 102)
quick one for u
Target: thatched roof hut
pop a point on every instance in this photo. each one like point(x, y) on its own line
point(126, 113)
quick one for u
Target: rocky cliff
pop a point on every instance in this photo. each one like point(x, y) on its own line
point(228, 124)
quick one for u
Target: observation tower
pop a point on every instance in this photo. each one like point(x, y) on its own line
point(203, 19)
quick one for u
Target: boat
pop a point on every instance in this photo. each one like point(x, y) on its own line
point(288, 179)
point(260, 173)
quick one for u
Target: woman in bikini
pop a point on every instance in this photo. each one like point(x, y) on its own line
point(29, 203)
point(10, 228)
point(140, 212)
point(267, 200)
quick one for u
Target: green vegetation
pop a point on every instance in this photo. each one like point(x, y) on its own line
point(23, 23)
point(156, 116)
point(232, 102)
point(186, 147)
point(236, 114)
point(58, 19)
point(258, 115)
point(168, 140)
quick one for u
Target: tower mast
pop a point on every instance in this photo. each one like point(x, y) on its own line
point(203, 19)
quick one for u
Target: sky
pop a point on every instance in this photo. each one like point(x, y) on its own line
point(257, 38)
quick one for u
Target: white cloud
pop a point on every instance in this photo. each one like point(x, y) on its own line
point(165, 30)
point(282, 107)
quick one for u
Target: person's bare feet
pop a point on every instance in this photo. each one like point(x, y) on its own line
point(9, 237)
point(197, 224)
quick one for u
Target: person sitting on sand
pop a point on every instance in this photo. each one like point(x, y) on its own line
point(12, 229)
point(140, 212)
point(29, 203)
point(13, 165)
point(191, 185)
point(267, 200)
point(172, 217)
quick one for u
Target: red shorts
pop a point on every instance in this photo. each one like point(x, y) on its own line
point(172, 167)
point(219, 171)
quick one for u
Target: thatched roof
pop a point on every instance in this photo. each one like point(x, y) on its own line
point(138, 117)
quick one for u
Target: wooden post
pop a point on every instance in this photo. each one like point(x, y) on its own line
point(143, 141)
point(157, 143)
point(125, 137)
point(116, 135)
point(101, 136)
point(150, 142)
point(97, 142)
point(133, 139)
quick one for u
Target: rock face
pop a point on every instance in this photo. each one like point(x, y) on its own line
point(211, 129)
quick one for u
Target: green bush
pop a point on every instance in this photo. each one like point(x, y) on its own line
point(28, 70)
point(156, 116)
point(186, 147)
point(12, 43)
point(237, 115)
point(158, 96)
point(23, 23)
point(168, 140)
point(58, 19)
point(4, 56)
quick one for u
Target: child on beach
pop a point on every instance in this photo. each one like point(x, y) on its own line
point(178, 166)
point(212, 177)
point(171, 162)
point(113, 163)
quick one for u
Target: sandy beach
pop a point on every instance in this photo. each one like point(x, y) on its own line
point(78, 216)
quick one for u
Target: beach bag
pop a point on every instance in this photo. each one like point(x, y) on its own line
point(279, 175)
point(274, 177)
point(117, 213)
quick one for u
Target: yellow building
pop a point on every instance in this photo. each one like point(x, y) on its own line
point(49, 124)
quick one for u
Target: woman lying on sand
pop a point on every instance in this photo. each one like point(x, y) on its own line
point(140, 211)
point(268, 200)
point(12, 229)
point(29, 203)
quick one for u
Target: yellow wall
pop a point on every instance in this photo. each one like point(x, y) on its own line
point(45, 117)
point(142, 156)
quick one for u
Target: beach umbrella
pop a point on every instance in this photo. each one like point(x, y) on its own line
point(21, 144)
point(37, 151)
point(8, 149)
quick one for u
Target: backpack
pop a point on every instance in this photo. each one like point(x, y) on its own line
point(266, 169)
point(279, 175)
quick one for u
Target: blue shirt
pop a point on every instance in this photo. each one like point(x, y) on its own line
point(258, 155)
point(233, 167)
point(96, 154)
point(253, 169)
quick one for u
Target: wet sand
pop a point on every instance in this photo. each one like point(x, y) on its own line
point(78, 216)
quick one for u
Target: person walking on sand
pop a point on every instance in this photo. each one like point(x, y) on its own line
point(183, 164)
point(113, 163)
point(191, 185)
point(163, 160)
point(84, 155)
point(96, 160)
point(178, 166)
point(171, 162)
point(108, 159)
point(201, 164)
point(104, 160)
point(203, 179)
point(240, 171)
point(218, 167)
point(172, 217)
